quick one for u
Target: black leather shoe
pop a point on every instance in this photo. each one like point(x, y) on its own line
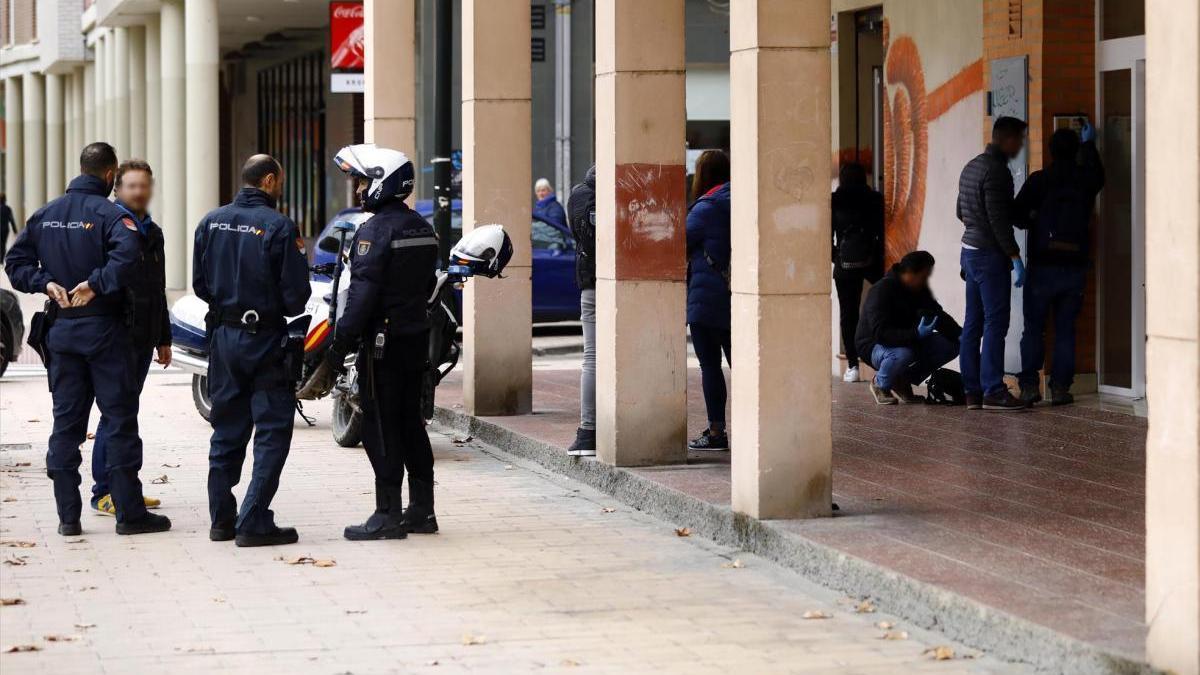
point(378, 526)
point(974, 401)
point(418, 518)
point(70, 529)
point(148, 523)
point(277, 537)
point(1004, 401)
point(222, 532)
point(420, 524)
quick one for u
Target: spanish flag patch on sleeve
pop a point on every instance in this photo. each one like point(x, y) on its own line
point(129, 224)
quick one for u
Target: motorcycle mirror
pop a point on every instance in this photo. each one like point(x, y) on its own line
point(330, 244)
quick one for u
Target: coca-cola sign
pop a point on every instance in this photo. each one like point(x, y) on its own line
point(347, 51)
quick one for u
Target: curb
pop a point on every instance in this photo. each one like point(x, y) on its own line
point(973, 623)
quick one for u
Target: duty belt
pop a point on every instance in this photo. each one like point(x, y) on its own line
point(90, 309)
point(249, 320)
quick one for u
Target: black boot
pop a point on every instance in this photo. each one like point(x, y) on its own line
point(387, 521)
point(419, 517)
point(279, 536)
point(149, 522)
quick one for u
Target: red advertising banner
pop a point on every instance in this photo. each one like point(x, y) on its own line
point(346, 36)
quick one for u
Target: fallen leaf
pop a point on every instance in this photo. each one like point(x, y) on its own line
point(356, 611)
point(324, 563)
point(85, 626)
point(865, 607)
point(33, 419)
point(12, 649)
point(432, 663)
point(10, 499)
point(161, 480)
point(219, 600)
point(817, 614)
point(940, 653)
point(735, 565)
point(170, 466)
point(469, 639)
point(894, 635)
point(607, 509)
point(19, 464)
point(9, 602)
point(60, 638)
point(76, 541)
point(568, 663)
point(885, 625)
point(16, 561)
point(87, 588)
point(11, 543)
point(90, 436)
point(683, 532)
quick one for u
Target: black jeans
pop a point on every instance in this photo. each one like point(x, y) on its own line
point(709, 342)
point(393, 431)
point(849, 284)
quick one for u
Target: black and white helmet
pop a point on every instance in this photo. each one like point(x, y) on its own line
point(390, 171)
point(486, 250)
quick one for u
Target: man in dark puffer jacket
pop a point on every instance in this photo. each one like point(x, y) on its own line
point(989, 255)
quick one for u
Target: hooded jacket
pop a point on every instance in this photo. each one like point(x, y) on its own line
point(891, 313)
point(708, 251)
point(581, 216)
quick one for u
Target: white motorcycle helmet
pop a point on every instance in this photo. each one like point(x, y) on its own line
point(486, 250)
point(390, 172)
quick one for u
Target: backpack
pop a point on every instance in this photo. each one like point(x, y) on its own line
point(1062, 219)
point(945, 387)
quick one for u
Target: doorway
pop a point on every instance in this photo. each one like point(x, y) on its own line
point(1121, 238)
point(860, 91)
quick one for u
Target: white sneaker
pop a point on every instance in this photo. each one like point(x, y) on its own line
point(851, 375)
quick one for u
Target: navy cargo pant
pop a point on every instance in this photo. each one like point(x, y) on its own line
point(91, 360)
point(141, 368)
point(393, 430)
point(250, 392)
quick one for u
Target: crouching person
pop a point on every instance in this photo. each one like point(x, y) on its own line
point(903, 332)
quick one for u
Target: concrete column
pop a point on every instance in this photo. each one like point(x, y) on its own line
point(54, 135)
point(172, 175)
point(120, 88)
point(781, 156)
point(497, 173)
point(389, 103)
point(68, 80)
point(137, 92)
point(90, 111)
point(641, 347)
point(79, 121)
point(34, 99)
point(1172, 163)
point(14, 155)
point(201, 58)
point(153, 77)
point(107, 131)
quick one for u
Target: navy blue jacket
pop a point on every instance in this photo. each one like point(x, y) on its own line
point(708, 232)
point(78, 236)
point(250, 256)
point(551, 211)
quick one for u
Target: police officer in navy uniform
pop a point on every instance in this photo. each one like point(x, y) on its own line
point(84, 242)
point(250, 266)
point(393, 259)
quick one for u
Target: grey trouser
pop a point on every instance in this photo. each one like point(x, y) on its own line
point(587, 376)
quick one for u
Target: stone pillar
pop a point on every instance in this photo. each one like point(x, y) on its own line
point(172, 174)
point(34, 100)
point(1173, 335)
point(54, 135)
point(389, 103)
point(14, 154)
point(120, 88)
point(641, 346)
point(781, 156)
point(68, 135)
point(201, 58)
point(153, 77)
point(78, 121)
point(109, 130)
point(137, 92)
point(90, 111)
point(496, 137)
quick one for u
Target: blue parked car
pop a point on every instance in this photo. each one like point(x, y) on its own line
point(555, 294)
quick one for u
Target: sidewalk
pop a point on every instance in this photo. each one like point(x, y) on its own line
point(531, 572)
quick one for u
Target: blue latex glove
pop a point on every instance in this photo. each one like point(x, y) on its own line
point(1088, 132)
point(925, 328)
point(1019, 268)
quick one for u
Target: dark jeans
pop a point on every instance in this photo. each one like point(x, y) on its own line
point(393, 429)
point(849, 284)
point(104, 427)
point(1051, 287)
point(911, 365)
point(981, 349)
point(709, 342)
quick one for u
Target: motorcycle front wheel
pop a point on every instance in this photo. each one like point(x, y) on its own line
point(200, 396)
point(347, 423)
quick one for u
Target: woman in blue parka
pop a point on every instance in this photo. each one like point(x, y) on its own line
point(546, 207)
point(708, 288)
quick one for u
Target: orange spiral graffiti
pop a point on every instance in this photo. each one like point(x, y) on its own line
point(906, 118)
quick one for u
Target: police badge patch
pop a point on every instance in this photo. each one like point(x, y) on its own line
point(363, 247)
point(129, 224)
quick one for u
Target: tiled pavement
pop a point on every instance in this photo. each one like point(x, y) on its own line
point(1039, 514)
point(529, 568)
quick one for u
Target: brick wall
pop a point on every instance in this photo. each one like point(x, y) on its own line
point(1059, 38)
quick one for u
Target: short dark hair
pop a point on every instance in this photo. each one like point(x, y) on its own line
point(259, 167)
point(1008, 127)
point(917, 261)
point(852, 173)
point(133, 165)
point(1064, 145)
point(97, 158)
